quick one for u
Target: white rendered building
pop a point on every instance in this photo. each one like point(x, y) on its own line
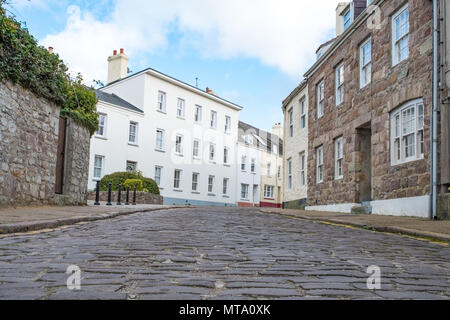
point(183, 137)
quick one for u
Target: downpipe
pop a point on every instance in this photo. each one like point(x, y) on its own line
point(434, 118)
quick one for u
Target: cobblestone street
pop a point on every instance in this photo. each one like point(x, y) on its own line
point(220, 253)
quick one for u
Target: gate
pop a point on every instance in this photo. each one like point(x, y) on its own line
point(60, 156)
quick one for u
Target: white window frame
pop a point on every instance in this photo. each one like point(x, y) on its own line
point(303, 169)
point(253, 165)
point(135, 165)
point(162, 101)
point(243, 163)
point(365, 67)
point(397, 42)
point(289, 173)
point(225, 184)
point(102, 125)
point(339, 158)
point(196, 149)
point(211, 180)
point(212, 152)
point(175, 187)
point(102, 165)
point(198, 113)
point(158, 179)
point(407, 128)
point(319, 164)
point(303, 113)
point(320, 88)
point(350, 18)
point(157, 146)
point(136, 126)
point(279, 173)
point(179, 151)
point(244, 191)
point(181, 107)
point(213, 119)
point(195, 181)
point(291, 122)
point(339, 84)
point(227, 124)
point(269, 192)
point(226, 155)
point(269, 169)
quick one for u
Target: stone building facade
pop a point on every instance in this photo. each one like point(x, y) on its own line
point(28, 152)
point(295, 110)
point(366, 93)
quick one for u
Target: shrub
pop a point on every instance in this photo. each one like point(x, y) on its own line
point(133, 183)
point(24, 62)
point(121, 177)
point(150, 185)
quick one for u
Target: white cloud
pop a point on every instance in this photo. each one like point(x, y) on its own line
point(280, 33)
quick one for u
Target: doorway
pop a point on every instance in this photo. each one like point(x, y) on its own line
point(364, 167)
point(60, 156)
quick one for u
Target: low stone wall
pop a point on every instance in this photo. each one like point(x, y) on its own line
point(141, 197)
point(295, 204)
point(444, 206)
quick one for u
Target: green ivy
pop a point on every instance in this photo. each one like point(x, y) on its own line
point(24, 62)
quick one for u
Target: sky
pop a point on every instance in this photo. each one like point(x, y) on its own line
point(251, 52)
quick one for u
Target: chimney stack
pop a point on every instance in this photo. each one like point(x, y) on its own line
point(277, 129)
point(117, 66)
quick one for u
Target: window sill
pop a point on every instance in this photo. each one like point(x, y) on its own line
point(181, 118)
point(178, 190)
point(406, 161)
point(211, 194)
point(246, 200)
point(101, 137)
point(161, 111)
point(160, 150)
point(227, 165)
point(179, 154)
point(96, 179)
point(133, 144)
point(212, 162)
point(196, 158)
point(226, 196)
point(195, 192)
point(269, 198)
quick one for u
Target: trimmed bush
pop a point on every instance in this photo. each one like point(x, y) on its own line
point(120, 178)
point(133, 183)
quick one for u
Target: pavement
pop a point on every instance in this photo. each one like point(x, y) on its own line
point(220, 253)
point(417, 227)
point(27, 219)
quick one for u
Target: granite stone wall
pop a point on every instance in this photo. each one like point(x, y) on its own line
point(369, 108)
point(28, 152)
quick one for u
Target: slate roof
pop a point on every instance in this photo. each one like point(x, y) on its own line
point(116, 100)
point(260, 136)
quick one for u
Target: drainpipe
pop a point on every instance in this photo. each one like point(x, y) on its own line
point(434, 115)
